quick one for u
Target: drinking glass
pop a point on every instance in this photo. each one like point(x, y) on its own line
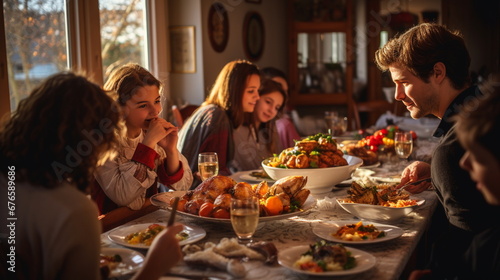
point(244, 218)
point(403, 144)
point(208, 165)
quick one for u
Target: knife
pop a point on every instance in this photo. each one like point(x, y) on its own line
point(171, 219)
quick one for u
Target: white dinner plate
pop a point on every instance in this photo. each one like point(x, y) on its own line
point(118, 234)
point(326, 231)
point(364, 261)
point(162, 200)
point(131, 261)
point(247, 176)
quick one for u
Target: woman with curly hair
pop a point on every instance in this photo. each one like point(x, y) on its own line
point(148, 153)
point(49, 150)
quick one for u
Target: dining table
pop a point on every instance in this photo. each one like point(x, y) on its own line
point(391, 256)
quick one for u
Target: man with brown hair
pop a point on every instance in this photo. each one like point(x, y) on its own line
point(429, 65)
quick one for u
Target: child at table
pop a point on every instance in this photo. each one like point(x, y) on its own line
point(258, 138)
point(210, 128)
point(48, 151)
point(478, 128)
point(284, 124)
point(148, 153)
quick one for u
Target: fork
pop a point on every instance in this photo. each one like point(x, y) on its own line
point(412, 183)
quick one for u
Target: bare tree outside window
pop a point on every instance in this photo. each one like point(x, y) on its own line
point(37, 36)
point(36, 43)
point(123, 33)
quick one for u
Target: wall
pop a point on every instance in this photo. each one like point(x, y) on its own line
point(184, 88)
point(479, 22)
point(192, 88)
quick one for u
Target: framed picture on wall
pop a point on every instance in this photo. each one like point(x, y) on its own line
point(218, 26)
point(182, 49)
point(253, 36)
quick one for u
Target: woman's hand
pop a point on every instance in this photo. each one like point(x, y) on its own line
point(414, 172)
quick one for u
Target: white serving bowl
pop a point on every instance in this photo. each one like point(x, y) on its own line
point(376, 212)
point(319, 180)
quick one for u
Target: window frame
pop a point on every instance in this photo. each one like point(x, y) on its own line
point(84, 44)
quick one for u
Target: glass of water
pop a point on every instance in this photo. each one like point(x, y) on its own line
point(245, 217)
point(208, 165)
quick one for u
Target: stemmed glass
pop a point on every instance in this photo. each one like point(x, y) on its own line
point(403, 144)
point(245, 218)
point(208, 165)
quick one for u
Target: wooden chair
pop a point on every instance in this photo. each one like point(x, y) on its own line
point(179, 121)
point(187, 110)
point(373, 109)
point(123, 215)
point(180, 115)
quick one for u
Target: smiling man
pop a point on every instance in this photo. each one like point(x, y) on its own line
point(429, 65)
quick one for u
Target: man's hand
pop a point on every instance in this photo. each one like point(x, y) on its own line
point(416, 171)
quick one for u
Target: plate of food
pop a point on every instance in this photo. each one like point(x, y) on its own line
point(257, 175)
point(163, 200)
point(116, 262)
point(140, 236)
point(357, 232)
point(301, 259)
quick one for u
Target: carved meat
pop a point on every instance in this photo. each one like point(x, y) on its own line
point(209, 189)
point(360, 194)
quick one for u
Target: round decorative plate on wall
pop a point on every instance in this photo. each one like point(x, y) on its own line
point(253, 36)
point(218, 26)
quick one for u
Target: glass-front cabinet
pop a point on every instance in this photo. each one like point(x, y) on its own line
point(321, 51)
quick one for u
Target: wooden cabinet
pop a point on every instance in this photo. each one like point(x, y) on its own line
point(321, 52)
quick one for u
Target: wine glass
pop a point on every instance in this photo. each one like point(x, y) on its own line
point(208, 165)
point(244, 217)
point(403, 144)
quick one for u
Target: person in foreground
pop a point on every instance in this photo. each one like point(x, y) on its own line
point(210, 128)
point(429, 65)
point(257, 139)
point(148, 153)
point(482, 159)
point(46, 166)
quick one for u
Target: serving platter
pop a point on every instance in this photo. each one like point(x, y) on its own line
point(163, 200)
point(326, 231)
point(118, 235)
point(289, 256)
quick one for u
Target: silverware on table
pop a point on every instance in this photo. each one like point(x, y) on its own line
point(171, 219)
point(413, 183)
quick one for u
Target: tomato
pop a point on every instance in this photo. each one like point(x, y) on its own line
point(206, 209)
point(371, 141)
point(413, 134)
point(374, 148)
point(221, 213)
point(384, 131)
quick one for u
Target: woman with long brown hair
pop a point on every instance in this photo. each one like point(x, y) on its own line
point(210, 128)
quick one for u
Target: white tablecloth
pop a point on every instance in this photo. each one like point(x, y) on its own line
point(391, 256)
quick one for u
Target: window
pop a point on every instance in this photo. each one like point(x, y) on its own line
point(123, 33)
point(36, 44)
point(45, 37)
